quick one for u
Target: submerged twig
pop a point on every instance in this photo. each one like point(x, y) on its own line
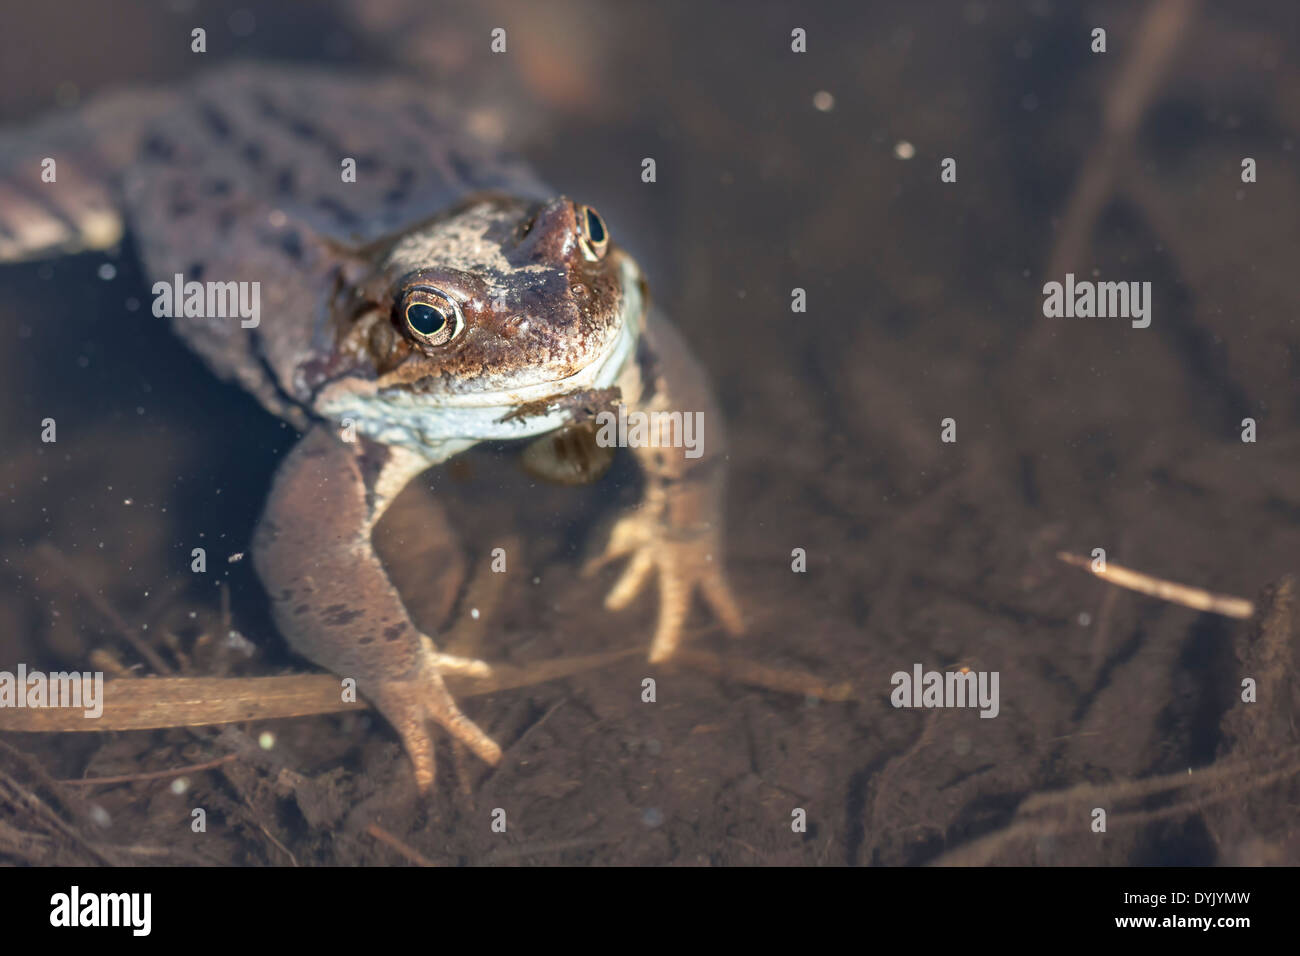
point(1069, 809)
point(155, 703)
point(408, 853)
point(1196, 598)
point(152, 775)
point(783, 680)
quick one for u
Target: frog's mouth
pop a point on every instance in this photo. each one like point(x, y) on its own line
point(457, 421)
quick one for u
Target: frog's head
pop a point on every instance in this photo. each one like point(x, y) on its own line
point(502, 304)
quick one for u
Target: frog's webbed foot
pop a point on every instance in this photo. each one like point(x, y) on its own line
point(686, 559)
point(411, 703)
point(676, 533)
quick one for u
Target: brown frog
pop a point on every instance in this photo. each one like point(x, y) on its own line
point(438, 297)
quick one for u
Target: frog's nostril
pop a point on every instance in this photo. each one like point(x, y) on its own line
point(549, 226)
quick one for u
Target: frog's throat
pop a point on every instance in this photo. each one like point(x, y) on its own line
point(457, 422)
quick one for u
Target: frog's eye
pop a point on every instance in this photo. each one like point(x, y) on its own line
point(592, 234)
point(432, 316)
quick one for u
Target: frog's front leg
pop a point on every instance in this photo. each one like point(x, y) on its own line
point(333, 600)
point(677, 530)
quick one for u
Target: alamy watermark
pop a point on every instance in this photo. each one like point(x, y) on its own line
point(210, 300)
point(36, 689)
point(1102, 300)
point(637, 429)
point(959, 688)
point(133, 911)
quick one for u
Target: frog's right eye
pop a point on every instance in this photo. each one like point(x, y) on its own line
point(593, 237)
point(431, 316)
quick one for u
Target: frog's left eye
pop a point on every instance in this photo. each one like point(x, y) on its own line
point(431, 315)
point(592, 234)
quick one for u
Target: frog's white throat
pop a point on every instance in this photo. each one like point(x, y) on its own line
point(456, 422)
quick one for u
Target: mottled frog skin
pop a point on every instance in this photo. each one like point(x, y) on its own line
point(443, 298)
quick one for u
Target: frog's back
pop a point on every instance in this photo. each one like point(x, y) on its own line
point(281, 138)
point(251, 175)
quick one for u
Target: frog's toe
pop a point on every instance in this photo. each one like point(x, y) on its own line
point(682, 570)
point(684, 562)
point(464, 666)
point(632, 535)
point(410, 704)
point(631, 581)
point(627, 536)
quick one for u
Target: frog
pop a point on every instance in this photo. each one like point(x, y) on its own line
point(421, 292)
